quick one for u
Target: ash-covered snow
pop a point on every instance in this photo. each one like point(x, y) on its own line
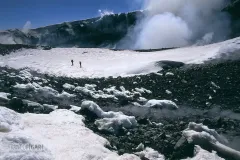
point(109, 121)
point(104, 62)
point(162, 104)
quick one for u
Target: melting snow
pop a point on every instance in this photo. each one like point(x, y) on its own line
point(110, 121)
point(201, 135)
point(201, 154)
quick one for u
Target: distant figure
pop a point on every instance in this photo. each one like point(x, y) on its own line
point(72, 62)
point(80, 63)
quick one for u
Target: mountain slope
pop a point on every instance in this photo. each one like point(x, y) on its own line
point(96, 32)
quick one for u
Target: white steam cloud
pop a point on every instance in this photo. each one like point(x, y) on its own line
point(164, 31)
point(178, 23)
point(27, 26)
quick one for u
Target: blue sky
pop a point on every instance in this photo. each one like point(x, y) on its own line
point(15, 13)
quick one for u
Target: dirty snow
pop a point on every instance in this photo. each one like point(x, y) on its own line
point(109, 121)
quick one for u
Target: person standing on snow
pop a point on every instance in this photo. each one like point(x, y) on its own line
point(72, 62)
point(80, 63)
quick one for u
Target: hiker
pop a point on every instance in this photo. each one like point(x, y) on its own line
point(72, 62)
point(80, 63)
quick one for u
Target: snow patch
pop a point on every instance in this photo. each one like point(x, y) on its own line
point(199, 134)
point(68, 86)
point(46, 92)
point(150, 154)
point(28, 86)
point(53, 107)
point(111, 92)
point(201, 154)
point(169, 74)
point(168, 92)
point(143, 90)
point(25, 74)
point(4, 96)
point(110, 121)
point(162, 104)
point(202, 128)
point(74, 108)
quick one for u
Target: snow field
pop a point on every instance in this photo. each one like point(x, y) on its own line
point(104, 62)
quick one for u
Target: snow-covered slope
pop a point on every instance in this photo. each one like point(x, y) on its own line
point(104, 62)
point(103, 31)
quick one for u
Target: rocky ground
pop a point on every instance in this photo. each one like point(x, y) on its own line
point(207, 94)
